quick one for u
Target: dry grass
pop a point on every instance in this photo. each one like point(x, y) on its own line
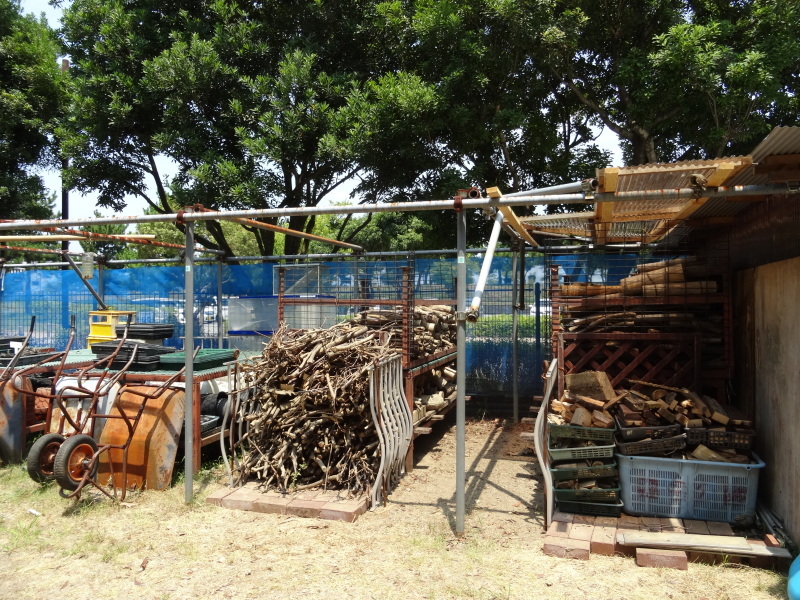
point(158, 547)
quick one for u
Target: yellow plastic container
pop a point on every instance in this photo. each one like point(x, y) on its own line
point(102, 323)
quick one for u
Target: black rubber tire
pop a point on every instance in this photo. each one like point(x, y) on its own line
point(41, 457)
point(70, 463)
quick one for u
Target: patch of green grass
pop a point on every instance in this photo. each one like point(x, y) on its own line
point(23, 533)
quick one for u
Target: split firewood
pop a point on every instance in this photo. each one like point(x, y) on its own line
point(581, 417)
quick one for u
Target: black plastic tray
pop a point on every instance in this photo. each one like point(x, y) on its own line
point(148, 330)
point(205, 359)
point(633, 434)
point(125, 352)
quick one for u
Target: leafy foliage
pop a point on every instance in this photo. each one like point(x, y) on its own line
point(30, 101)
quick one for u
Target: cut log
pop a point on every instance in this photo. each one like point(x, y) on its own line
point(680, 288)
point(718, 413)
point(602, 419)
point(590, 403)
point(594, 384)
point(667, 274)
point(581, 417)
point(684, 261)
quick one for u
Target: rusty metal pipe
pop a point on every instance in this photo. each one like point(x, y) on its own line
point(287, 231)
point(465, 203)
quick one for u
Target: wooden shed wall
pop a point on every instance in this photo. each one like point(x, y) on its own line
point(769, 297)
point(764, 247)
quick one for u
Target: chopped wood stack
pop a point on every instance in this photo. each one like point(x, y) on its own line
point(434, 330)
point(683, 276)
point(434, 327)
point(309, 417)
point(434, 391)
point(586, 401)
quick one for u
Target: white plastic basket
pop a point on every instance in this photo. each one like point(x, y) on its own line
point(688, 489)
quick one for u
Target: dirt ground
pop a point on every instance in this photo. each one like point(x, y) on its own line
point(155, 546)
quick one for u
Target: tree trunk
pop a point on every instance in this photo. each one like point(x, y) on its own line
point(292, 243)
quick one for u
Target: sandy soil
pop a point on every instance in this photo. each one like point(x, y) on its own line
point(157, 547)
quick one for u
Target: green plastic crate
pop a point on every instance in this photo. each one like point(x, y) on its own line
point(560, 474)
point(597, 495)
point(599, 509)
point(582, 433)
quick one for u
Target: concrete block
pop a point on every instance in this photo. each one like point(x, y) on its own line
point(559, 529)
point(215, 498)
point(344, 510)
point(272, 502)
point(667, 559)
point(715, 528)
point(579, 531)
point(562, 517)
point(241, 499)
point(566, 548)
point(604, 540)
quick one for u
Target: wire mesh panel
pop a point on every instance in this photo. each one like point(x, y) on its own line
point(321, 293)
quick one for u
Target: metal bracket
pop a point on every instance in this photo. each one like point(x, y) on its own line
point(461, 315)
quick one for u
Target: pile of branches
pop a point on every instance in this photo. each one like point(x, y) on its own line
point(309, 420)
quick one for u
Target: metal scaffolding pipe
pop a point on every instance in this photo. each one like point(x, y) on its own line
point(564, 188)
point(274, 258)
point(475, 305)
point(461, 368)
point(77, 269)
point(292, 232)
point(465, 203)
point(188, 378)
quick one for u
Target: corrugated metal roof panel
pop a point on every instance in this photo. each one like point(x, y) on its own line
point(781, 140)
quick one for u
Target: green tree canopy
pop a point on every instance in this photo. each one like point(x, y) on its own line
point(31, 98)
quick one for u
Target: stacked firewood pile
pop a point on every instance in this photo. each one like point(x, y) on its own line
point(684, 276)
point(309, 420)
point(434, 327)
point(673, 292)
point(656, 420)
point(434, 330)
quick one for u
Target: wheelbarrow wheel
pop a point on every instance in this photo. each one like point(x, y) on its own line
point(72, 461)
point(42, 456)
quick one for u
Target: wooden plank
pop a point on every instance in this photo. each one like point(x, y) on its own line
point(511, 218)
point(684, 541)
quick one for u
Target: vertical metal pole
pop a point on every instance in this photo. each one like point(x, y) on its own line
point(537, 303)
point(188, 349)
point(514, 339)
point(461, 366)
point(220, 319)
point(101, 280)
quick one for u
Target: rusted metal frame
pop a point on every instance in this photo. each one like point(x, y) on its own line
point(281, 292)
point(59, 370)
point(463, 203)
point(9, 369)
point(80, 392)
point(422, 365)
point(36, 250)
point(287, 231)
point(131, 425)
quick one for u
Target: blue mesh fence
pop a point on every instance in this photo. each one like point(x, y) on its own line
point(156, 293)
